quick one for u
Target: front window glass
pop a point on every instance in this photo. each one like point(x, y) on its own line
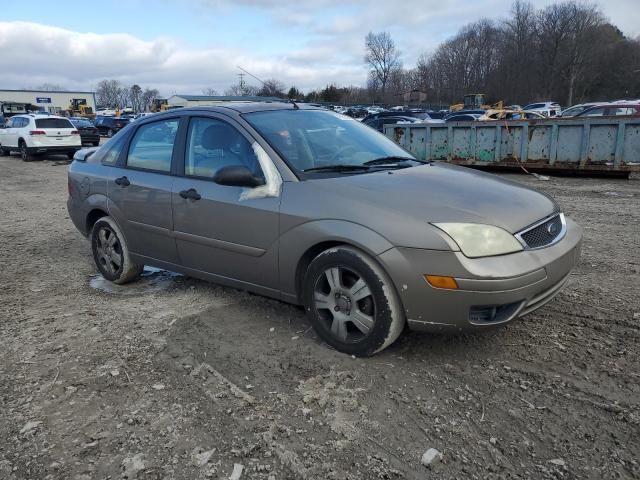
point(309, 139)
point(213, 144)
point(152, 146)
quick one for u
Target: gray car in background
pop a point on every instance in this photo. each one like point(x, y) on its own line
point(314, 208)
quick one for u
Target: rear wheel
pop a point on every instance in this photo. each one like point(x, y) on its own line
point(351, 302)
point(111, 254)
point(70, 155)
point(24, 152)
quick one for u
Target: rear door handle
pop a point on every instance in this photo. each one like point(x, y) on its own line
point(122, 181)
point(192, 194)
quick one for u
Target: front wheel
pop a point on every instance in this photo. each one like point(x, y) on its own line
point(351, 302)
point(111, 254)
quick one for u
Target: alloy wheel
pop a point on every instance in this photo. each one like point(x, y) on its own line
point(109, 250)
point(344, 302)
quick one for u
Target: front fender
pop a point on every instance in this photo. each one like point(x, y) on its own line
point(296, 242)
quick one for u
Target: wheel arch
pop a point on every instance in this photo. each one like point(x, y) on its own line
point(93, 216)
point(300, 245)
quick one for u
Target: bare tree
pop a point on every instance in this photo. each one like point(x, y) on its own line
point(382, 57)
point(210, 92)
point(272, 88)
point(244, 91)
point(108, 93)
point(148, 96)
point(135, 98)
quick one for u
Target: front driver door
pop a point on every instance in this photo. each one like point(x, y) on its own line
point(140, 190)
point(230, 232)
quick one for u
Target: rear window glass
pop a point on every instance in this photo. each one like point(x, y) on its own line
point(53, 123)
point(82, 123)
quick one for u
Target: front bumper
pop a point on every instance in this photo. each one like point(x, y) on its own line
point(508, 286)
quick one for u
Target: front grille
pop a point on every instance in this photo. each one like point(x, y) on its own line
point(543, 234)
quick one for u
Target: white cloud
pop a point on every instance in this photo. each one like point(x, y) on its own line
point(328, 44)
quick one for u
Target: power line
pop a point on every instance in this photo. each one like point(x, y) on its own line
point(252, 75)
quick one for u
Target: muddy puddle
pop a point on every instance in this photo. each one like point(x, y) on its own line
point(151, 280)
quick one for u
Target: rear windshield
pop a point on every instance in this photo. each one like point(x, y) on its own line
point(82, 123)
point(53, 123)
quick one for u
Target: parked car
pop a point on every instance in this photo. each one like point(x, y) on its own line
point(316, 209)
point(511, 115)
point(578, 109)
point(35, 134)
point(89, 134)
point(611, 110)
point(109, 126)
point(548, 109)
point(464, 112)
point(378, 121)
point(463, 117)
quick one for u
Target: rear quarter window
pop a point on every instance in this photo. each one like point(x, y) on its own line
point(53, 123)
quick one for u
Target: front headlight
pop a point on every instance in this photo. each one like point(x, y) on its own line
point(476, 240)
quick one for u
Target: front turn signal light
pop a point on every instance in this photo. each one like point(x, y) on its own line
point(438, 281)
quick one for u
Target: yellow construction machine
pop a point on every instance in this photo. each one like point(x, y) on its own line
point(78, 108)
point(475, 101)
point(159, 105)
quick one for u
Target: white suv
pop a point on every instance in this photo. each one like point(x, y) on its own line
point(548, 109)
point(32, 134)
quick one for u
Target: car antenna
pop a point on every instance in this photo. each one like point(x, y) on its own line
point(295, 105)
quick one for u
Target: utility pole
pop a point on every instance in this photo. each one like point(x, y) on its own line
point(242, 84)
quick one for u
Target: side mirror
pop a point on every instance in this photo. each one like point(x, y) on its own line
point(237, 176)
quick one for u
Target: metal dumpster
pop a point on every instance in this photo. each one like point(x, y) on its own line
point(606, 145)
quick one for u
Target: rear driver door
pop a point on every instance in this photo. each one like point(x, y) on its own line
point(140, 189)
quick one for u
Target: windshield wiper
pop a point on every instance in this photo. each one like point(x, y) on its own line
point(391, 160)
point(337, 168)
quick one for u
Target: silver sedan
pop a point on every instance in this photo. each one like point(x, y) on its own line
point(314, 208)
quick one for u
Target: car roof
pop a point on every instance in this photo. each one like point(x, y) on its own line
point(39, 115)
point(243, 107)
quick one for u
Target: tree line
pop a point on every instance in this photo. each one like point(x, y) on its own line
point(567, 52)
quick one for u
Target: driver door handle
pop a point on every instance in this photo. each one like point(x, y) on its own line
point(122, 181)
point(191, 194)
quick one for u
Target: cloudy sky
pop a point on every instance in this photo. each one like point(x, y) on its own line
point(185, 46)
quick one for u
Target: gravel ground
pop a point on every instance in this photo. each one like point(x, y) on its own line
point(174, 378)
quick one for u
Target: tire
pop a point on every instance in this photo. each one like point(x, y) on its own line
point(110, 133)
point(110, 252)
point(96, 144)
point(4, 152)
point(351, 302)
point(24, 152)
point(70, 155)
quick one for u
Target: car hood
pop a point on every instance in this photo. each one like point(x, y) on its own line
point(442, 193)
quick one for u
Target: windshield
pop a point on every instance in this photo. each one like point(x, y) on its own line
point(309, 139)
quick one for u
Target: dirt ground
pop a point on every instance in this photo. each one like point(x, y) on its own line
point(174, 378)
